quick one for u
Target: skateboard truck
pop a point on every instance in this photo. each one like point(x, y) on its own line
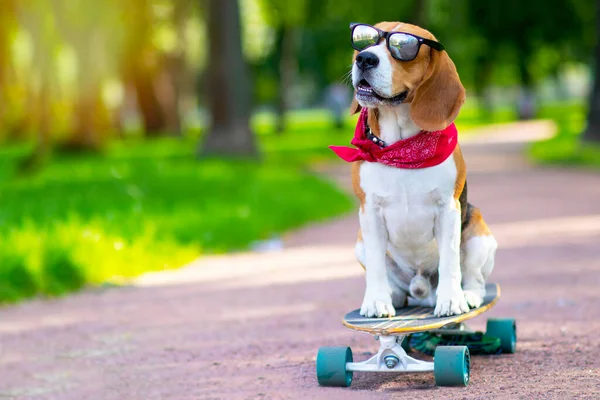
point(391, 357)
point(451, 365)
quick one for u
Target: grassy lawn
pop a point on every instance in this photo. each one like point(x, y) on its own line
point(311, 132)
point(149, 206)
point(566, 148)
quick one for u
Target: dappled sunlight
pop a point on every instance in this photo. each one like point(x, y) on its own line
point(34, 322)
point(321, 263)
point(289, 265)
point(512, 132)
point(321, 272)
point(547, 231)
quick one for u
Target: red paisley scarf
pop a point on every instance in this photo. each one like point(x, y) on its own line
point(426, 149)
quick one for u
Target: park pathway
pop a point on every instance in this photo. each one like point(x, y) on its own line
point(247, 326)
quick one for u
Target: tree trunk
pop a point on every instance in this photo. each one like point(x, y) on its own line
point(483, 72)
point(169, 91)
point(142, 66)
point(526, 107)
point(419, 12)
point(43, 145)
point(228, 85)
point(592, 132)
point(175, 72)
point(152, 113)
point(287, 45)
point(91, 121)
point(7, 28)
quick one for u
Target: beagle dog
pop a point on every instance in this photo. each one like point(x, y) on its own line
point(420, 241)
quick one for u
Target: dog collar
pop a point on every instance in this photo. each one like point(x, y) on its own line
point(426, 149)
point(370, 136)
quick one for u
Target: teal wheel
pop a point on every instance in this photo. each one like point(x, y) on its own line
point(504, 329)
point(406, 344)
point(452, 366)
point(331, 366)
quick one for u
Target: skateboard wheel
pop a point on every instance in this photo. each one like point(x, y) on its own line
point(406, 344)
point(452, 366)
point(331, 366)
point(504, 329)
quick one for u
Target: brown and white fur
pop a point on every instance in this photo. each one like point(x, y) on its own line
point(420, 241)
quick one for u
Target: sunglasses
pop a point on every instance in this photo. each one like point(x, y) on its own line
point(401, 45)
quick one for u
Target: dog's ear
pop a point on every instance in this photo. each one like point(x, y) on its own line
point(354, 106)
point(439, 96)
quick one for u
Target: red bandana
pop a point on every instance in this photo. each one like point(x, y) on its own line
point(426, 149)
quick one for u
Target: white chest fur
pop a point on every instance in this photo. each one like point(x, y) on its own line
point(408, 201)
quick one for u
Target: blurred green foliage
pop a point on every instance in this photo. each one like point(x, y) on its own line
point(149, 205)
point(310, 132)
point(492, 42)
point(566, 148)
point(79, 74)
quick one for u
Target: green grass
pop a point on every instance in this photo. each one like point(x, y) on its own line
point(311, 132)
point(566, 148)
point(148, 206)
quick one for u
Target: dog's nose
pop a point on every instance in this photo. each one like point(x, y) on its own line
point(366, 60)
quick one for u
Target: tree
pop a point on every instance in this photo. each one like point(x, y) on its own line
point(286, 49)
point(6, 29)
point(142, 66)
point(287, 16)
point(228, 85)
point(514, 30)
point(419, 12)
point(83, 27)
point(18, 97)
point(177, 77)
point(39, 21)
point(592, 132)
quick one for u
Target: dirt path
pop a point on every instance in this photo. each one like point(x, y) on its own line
point(248, 326)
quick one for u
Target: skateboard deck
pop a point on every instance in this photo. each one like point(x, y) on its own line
point(414, 319)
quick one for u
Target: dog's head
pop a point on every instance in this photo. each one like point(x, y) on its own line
point(429, 83)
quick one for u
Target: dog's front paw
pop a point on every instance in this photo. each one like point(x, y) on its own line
point(473, 298)
point(378, 305)
point(450, 302)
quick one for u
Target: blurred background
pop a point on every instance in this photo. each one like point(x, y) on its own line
point(138, 135)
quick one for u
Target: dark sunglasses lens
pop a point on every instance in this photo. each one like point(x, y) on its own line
point(364, 36)
point(403, 47)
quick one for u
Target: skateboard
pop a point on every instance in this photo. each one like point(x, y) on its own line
point(451, 364)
